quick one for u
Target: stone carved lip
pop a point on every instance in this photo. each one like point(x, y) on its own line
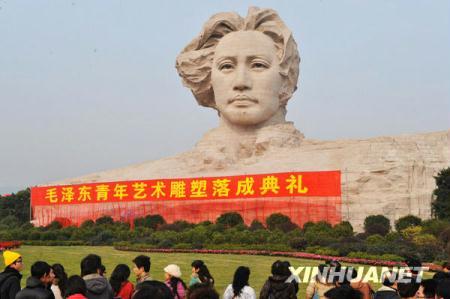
point(242, 100)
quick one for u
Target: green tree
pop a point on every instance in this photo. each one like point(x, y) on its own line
point(281, 222)
point(441, 203)
point(377, 224)
point(16, 204)
point(150, 221)
point(107, 220)
point(255, 225)
point(407, 221)
point(230, 219)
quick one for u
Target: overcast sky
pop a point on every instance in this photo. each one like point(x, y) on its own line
point(91, 85)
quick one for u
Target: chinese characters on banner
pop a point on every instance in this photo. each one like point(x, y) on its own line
point(288, 184)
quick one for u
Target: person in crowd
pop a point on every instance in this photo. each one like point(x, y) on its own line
point(414, 268)
point(389, 288)
point(358, 285)
point(240, 289)
point(445, 273)
point(443, 289)
point(98, 286)
point(202, 291)
point(200, 274)
point(276, 286)
point(294, 279)
point(427, 289)
point(76, 288)
point(102, 271)
point(141, 268)
point(174, 282)
point(120, 284)
point(10, 278)
point(344, 291)
point(320, 284)
point(59, 284)
point(152, 289)
point(408, 290)
point(38, 284)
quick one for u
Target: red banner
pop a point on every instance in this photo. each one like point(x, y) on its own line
point(303, 196)
point(288, 184)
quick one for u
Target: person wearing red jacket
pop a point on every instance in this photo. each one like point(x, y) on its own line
point(120, 284)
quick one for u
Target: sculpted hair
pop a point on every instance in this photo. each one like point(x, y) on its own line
point(195, 61)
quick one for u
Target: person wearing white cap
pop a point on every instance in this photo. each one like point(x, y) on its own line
point(174, 282)
point(10, 278)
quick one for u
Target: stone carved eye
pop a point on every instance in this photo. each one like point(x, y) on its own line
point(226, 66)
point(259, 65)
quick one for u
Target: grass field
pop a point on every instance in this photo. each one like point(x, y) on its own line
point(222, 267)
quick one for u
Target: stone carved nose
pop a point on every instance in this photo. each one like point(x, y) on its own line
point(242, 80)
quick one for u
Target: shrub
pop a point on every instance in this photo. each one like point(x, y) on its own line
point(298, 243)
point(105, 237)
point(343, 229)
point(377, 224)
point(255, 225)
point(177, 226)
point(280, 221)
point(434, 226)
point(424, 240)
point(375, 239)
point(410, 232)
point(166, 243)
point(54, 225)
point(445, 236)
point(10, 220)
point(322, 250)
point(105, 220)
point(87, 224)
point(150, 221)
point(183, 246)
point(230, 219)
point(407, 221)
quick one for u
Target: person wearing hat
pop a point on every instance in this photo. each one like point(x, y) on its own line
point(174, 281)
point(10, 278)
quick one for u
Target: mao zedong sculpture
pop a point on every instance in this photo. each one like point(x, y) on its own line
point(247, 69)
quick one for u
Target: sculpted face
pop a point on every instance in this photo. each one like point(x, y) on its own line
point(246, 80)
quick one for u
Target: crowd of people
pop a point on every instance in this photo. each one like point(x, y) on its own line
point(52, 282)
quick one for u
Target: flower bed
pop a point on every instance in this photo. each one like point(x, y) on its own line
point(4, 245)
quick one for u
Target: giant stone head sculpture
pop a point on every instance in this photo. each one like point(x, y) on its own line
point(245, 68)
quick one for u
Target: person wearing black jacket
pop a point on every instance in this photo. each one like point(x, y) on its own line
point(38, 284)
point(276, 286)
point(10, 278)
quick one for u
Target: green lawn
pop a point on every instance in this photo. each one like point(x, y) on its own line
point(222, 267)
